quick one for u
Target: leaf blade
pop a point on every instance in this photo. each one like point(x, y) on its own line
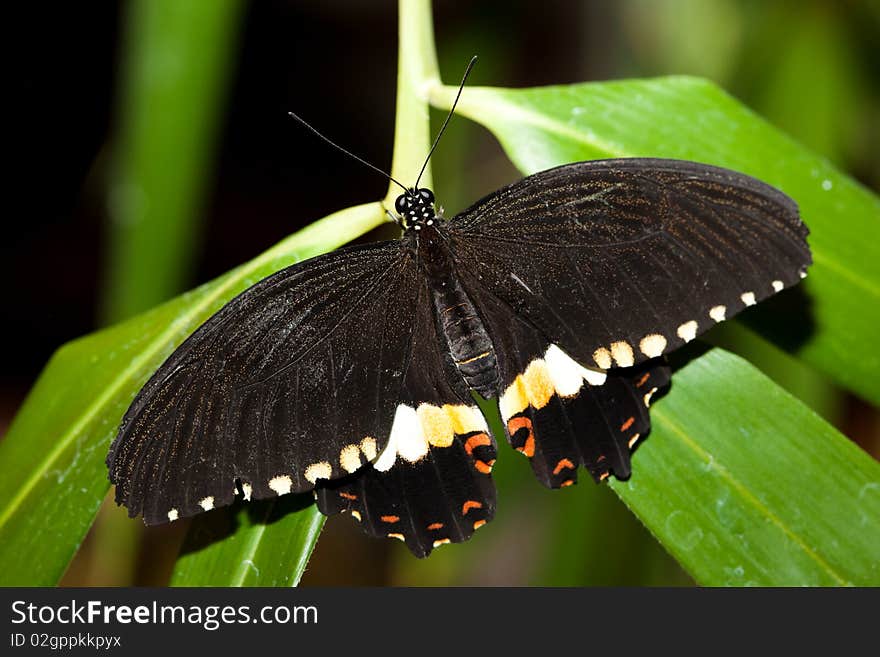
point(259, 544)
point(743, 484)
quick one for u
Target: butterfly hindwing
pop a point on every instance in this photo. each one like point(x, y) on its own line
point(432, 483)
point(282, 387)
point(558, 413)
point(619, 261)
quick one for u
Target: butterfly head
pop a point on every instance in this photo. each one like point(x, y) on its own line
point(416, 208)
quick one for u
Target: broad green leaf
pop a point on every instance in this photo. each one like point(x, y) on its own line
point(738, 480)
point(263, 544)
point(745, 485)
point(53, 456)
point(692, 119)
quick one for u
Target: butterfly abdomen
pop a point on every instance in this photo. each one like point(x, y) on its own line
point(458, 321)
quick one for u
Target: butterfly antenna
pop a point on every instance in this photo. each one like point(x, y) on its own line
point(349, 153)
point(467, 72)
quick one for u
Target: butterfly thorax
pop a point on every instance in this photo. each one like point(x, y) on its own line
point(464, 333)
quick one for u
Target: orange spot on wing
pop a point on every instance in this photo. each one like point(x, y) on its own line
point(567, 482)
point(470, 504)
point(348, 496)
point(528, 447)
point(479, 523)
point(626, 425)
point(435, 525)
point(484, 467)
point(603, 476)
point(514, 424)
point(564, 463)
point(641, 382)
point(389, 519)
point(477, 440)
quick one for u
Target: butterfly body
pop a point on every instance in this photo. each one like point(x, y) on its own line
point(351, 374)
point(458, 320)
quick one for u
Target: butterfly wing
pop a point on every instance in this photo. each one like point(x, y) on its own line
point(558, 413)
point(296, 379)
point(618, 261)
point(432, 483)
point(588, 273)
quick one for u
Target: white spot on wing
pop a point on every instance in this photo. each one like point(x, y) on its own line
point(687, 331)
point(368, 447)
point(778, 285)
point(319, 470)
point(512, 401)
point(172, 515)
point(281, 484)
point(567, 374)
point(602, 357)
point(350, 458)
point(622, 353)
point(207, 503)
point(406, 438)
point(247, 490)
point(564, 372)
point(652, 345)
point(410, 440)
point(356, 515)
point(748, 298)
point(717, 313)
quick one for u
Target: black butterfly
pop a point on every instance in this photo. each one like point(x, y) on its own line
point(351, 374)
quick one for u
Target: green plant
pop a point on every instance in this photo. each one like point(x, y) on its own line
point(740, 482)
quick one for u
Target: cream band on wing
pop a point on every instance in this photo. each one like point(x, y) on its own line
point(555, 373)
point(415, 431)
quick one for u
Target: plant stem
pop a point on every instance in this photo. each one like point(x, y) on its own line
point(416, 70)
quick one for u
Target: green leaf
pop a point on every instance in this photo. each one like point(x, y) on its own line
point(692, 119)
point(263, 544)
point(739, 481)
point(745, 485)
point(53, 456)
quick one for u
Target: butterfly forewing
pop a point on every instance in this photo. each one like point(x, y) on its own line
point(296, 379)
point(619, 261)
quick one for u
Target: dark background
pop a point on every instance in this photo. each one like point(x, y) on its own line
point(335, 64)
